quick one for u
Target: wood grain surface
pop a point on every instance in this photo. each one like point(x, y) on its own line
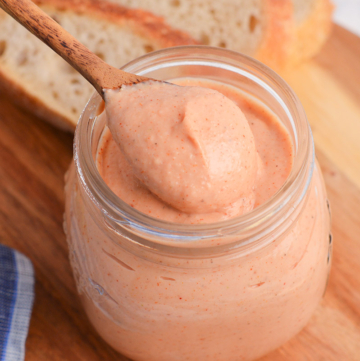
point(34, 157)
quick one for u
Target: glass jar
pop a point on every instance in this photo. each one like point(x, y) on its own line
point(233, 290)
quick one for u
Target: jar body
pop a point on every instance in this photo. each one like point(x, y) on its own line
point(236, 310)
point(196, 300)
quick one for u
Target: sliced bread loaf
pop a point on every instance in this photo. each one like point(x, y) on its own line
point(277, 32)
point(260, 28)
point(37, 78)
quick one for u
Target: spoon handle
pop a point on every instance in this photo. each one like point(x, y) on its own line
point(100, 74)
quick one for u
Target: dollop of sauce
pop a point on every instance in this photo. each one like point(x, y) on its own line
point(190, 146)
point(200, 153)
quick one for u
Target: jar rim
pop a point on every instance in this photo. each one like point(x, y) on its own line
point(253, 224)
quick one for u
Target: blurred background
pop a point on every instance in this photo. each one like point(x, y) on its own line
point(347, 14)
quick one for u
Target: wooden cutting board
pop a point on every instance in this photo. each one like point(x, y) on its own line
point(34, 157)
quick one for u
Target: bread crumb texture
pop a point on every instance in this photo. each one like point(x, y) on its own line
point(233, 24)
point(115, 34)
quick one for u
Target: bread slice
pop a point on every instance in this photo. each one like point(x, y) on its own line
point(259, 28)
point(313, 27)
point(277, 32)
point(42, 82)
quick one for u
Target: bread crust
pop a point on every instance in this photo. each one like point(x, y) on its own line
point(311, 34)
point(142, 23)
point(286, 44)
point(278, 33)
point(23, 99)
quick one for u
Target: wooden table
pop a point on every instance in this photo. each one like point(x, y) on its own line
point(34, 157)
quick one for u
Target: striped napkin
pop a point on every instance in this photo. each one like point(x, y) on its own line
point(16, 300)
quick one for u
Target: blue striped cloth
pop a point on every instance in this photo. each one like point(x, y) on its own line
point(16, 300)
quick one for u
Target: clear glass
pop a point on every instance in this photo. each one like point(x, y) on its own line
point(232, 290)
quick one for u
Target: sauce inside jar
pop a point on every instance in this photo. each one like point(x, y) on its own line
point(154, 305)
point(274, 162)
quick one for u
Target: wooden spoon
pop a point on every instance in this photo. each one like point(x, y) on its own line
point(100, 74)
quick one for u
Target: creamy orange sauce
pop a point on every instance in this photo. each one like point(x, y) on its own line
point(190, 146)
point(209, 157)
point(228, 308)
